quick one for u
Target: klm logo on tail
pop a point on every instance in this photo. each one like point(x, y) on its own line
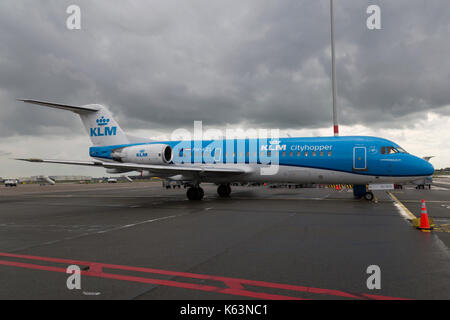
point(103, 129)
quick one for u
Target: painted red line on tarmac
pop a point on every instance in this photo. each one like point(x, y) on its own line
point(31, 266)
point(169, 283)
point(190, 275)
point(377, 297)
point(235, 285)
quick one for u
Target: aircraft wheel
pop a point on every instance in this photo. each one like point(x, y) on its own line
point(368, 196)
point(201, 193)
point(195, 193)
point(224, 190)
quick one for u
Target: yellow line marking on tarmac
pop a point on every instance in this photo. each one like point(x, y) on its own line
point(415, 221)
point(405, 209)
point(428, 201)
point(375, 199)
point(442, 228)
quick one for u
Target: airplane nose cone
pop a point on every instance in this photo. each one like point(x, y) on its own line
point(428, 168)
point(421, 167)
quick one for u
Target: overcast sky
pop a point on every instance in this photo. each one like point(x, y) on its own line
point(160, 65)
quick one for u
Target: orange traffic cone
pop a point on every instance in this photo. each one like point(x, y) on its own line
point(424, 223)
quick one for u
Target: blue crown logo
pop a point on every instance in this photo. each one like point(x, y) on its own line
point(102, 121)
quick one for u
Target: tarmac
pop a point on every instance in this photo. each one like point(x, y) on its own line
point(141, 241)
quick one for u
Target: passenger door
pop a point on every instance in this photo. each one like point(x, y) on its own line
point(359, 158)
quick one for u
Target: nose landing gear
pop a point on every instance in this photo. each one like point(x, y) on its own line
point(360, 190)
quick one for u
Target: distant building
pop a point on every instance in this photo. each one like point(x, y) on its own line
point(67, 178)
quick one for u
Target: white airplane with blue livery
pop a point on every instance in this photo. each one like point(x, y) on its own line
point(357, 160)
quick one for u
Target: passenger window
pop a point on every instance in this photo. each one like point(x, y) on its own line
point(329, 153)
point(291, 154)
point(284, 153)
point(299, 154)
point(313, 153)
point(306, 153)
point(321, 153)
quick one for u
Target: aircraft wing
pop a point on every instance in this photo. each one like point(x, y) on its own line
point(166, 170)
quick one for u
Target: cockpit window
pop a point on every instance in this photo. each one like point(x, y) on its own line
point(401, 150)
point(392, 150)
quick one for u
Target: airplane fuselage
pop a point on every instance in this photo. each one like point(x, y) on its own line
point(357, 160)
point(350, 159)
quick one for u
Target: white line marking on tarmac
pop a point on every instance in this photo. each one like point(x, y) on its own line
point(138, 223)
point(96, 232)
point(441, 182)
point(404, 212)
point(440, 188)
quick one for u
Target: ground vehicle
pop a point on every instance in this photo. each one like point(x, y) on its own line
point(10, 183)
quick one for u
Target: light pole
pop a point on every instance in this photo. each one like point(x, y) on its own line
point(333, 73)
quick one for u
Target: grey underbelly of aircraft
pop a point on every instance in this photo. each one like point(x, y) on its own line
point(291, 174)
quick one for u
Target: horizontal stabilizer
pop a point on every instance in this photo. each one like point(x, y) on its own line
point(79, 110)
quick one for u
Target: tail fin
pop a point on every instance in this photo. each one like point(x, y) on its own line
point(97, 119)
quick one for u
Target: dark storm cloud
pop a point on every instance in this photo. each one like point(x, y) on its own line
point(163, 64)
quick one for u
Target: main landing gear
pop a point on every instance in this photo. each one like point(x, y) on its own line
point(360, 190)
point(224, 190)
point(195, 193)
